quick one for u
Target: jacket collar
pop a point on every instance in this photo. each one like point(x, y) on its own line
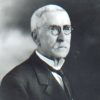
point(41, 69)
point(45, 77)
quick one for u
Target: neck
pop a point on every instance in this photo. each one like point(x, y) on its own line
point(57, 59)
point(56, 63)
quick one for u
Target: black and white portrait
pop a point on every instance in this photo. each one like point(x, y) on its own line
point(49, 49)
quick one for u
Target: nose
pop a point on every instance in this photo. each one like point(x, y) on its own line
point(61, 37)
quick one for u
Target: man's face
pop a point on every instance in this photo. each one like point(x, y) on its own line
point(55, 35)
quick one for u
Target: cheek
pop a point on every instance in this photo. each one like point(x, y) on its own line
point(47, 40)
point(50, 40)
point(68, 40)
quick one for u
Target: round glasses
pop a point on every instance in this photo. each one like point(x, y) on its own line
point(56, 30)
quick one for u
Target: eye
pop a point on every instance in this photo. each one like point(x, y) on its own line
point(54, 30)
point(67, 27)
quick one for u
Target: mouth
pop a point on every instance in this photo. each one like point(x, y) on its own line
point(62, 47)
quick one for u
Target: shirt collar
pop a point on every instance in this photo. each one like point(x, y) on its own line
point(54, 64)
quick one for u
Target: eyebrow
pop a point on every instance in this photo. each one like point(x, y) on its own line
point(60, 26)
point(66, 25)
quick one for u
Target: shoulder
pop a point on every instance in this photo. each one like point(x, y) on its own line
point(21, 73)
point(25, 73)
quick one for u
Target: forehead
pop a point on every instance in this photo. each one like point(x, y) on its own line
point(57, 18)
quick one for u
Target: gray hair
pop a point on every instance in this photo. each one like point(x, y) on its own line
point(37, 19)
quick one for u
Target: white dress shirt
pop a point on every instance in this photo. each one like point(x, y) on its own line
point(55, 65)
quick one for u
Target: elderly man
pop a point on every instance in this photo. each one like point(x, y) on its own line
point(41, 76)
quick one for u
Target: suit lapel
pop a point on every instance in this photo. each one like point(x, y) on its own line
point(51, 87)
point(67, 86)
point(54, 90)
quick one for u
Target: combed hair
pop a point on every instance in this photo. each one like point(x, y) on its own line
point(37, 20)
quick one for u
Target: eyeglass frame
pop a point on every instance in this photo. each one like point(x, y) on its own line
point(58, 29)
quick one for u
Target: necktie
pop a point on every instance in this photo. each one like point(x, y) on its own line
point(65, 82)
point(58, 78)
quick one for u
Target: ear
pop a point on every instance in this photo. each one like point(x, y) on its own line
point(35, 37)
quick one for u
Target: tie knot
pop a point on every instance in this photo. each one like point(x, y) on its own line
point(60, 72)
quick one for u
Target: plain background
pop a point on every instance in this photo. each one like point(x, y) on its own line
point(82, 63)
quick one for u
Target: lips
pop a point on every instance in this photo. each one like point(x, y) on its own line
point(62, 47)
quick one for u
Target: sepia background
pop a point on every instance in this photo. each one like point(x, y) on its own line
point(82, 63)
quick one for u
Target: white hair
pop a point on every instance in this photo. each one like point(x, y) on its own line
point(37, 20)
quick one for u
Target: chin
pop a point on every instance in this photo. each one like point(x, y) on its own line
point(60, 53)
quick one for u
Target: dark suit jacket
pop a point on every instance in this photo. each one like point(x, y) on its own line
point(32, 81)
